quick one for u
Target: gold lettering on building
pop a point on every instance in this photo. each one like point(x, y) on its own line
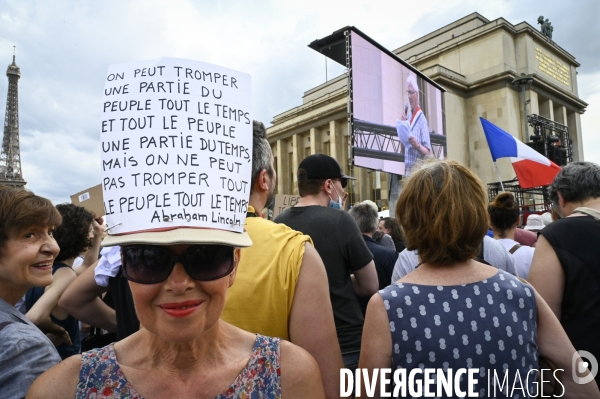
point(551, 66)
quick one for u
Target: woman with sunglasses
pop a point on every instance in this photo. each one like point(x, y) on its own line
point(179, 279)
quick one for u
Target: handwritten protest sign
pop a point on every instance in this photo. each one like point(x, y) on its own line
point(176, 145)
point(283, 202)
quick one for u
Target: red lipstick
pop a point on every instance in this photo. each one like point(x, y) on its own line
point(180, 309)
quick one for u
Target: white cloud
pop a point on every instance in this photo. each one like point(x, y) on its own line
point(59, 162)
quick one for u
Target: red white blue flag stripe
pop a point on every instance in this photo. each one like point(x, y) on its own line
point(532, 168)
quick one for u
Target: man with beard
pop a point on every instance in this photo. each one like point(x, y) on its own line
point(281, 287)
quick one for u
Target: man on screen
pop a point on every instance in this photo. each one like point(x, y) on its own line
point(420, 146)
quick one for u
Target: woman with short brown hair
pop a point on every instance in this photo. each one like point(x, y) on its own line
point(27, 251)
point(443, 215)
point(74, 236)
point(453, 312)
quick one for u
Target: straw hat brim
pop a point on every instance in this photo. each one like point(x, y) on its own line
point(180, 235)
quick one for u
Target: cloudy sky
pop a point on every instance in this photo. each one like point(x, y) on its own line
point(64, 48)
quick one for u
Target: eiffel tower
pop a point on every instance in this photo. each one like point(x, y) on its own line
point(10, 154)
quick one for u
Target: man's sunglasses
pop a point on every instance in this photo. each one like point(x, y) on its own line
point(343, 181)
point(148, 264)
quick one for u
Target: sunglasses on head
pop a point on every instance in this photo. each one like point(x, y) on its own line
point(148, 264)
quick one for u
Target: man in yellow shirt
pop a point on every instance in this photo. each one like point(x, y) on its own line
point(281, 287)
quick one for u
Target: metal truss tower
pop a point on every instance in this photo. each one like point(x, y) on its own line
point(10, 154)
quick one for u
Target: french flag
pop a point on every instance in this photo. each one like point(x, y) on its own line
point(532, 168)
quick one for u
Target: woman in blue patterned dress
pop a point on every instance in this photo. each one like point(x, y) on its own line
point(453, 312)
point(178, 281)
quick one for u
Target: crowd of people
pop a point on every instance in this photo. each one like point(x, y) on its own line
point(280, 309)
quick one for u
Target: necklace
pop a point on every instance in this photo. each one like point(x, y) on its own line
point(419, 264)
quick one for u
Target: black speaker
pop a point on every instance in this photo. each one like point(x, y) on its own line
point(558, 155)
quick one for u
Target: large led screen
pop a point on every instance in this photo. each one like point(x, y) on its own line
point(397, 115)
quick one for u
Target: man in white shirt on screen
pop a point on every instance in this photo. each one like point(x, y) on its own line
point(420, 145)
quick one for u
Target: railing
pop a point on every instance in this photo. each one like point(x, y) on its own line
point(374, 140)
point(551, 139)
point(531, 200)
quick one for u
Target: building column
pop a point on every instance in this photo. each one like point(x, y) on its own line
point(364, 184)
point(315, 140)
point(551, 109)
point(534, 109)
point(385, 193)
point(546, 108)
point(377, 187)
point(333, 140)
point(574, 125)
point(296, 153)
point(534, 105)
point(344, 140)
point(562, 118)
point(282, 172)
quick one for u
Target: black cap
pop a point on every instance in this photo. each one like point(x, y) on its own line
point(321, 166)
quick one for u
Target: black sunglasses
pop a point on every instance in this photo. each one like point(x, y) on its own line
point(148, 264)
point(343, 181)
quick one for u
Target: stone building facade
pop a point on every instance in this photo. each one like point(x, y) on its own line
point(476, 61)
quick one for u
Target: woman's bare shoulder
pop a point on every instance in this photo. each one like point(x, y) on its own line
point(300, 377)
point(60, 381)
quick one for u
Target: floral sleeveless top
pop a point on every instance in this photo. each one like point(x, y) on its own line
point(101, 377)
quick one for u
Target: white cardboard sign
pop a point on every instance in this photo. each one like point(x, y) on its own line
point(176, 146)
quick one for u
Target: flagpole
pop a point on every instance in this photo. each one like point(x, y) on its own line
point(499, 178)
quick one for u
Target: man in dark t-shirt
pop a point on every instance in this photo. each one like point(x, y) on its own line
point(348, 261)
